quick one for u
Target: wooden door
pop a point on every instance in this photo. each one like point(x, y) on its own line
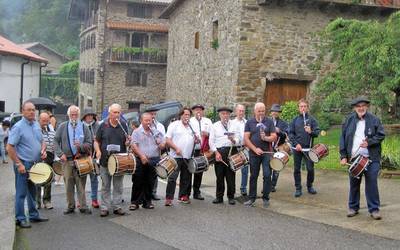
point(282, 90)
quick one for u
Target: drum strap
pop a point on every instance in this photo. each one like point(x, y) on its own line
point(194, 134)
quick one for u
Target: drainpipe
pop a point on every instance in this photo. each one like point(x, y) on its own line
point(22, 84)
point(40, 76)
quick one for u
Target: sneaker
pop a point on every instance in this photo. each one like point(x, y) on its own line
point(168, 202)
point(119, 211)
point(273, 189)
point(250, 203)
point(298, 193)
point(232, 202)
point(104, 213)
point(218, 201)
point(312, 190)
point(5, 162)
point(376, 215)
point(85, 211)
point(243, 192)
point(95, 204)
point(265, 203)
point(78, 205)
point(352, 213)
point(185, 199)
point(48, 205)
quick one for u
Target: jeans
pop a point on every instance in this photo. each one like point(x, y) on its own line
point(371, 188)
point(184, 182)
point(255, 162)
point(275, 176)
point(47, 188)
point(117, 181)
point(24, 189)
point(94, 185)
point(143, 181)
point(2, 150)
point(245, 178)
point(298, 157)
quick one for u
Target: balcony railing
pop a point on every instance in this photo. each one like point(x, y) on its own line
point(137, 55)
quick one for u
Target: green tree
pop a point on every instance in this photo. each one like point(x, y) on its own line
point(366, 55)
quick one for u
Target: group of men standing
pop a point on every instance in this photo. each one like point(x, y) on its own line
point(189, 136)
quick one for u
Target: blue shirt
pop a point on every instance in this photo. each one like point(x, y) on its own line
point(254, 127)
point(147, 142)
point(27, 138)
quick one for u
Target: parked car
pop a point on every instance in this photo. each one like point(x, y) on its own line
point(4, 115)
point(13, 118)
point(167, 111)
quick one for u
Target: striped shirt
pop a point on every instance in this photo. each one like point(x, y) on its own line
point(48, 137)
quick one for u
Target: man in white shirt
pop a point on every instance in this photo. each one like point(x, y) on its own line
point(240, 122)
point(180, 138)
point(201, 126)
point(223, 139)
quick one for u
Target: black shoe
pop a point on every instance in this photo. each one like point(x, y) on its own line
point(23, 224)
point(119, 211)
point(232, 202)
point(198, 197)
point(148, 206)
point(39, 219)
point(218, 200)
point(85, 211)
point(312, 190)
point(243, 193)
point(69, 211)
point(298, 193)
point(155, 197)
point(273, 189)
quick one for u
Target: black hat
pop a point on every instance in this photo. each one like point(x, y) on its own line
point(224, 109)
point(89, 111)
point(276, 108)
point(359, 99)
point(152, 109)
point(197, 106)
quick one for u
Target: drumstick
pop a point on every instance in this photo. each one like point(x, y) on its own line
point(31, 172)
point(224, 163)
point(268, 152)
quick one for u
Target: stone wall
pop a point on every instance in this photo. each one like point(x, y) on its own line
point(205, 75)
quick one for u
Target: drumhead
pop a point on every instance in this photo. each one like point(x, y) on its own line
point(313, 156)
point(161, 172)
point(112, 164)
point(58, 168)
point(41, 174)
point(191, 166)
point(276, 164)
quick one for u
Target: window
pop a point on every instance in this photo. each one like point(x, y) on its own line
point(196, 40)
point(93, 45)
point(87, 42)
point(89, 102)
point(215, 30)
point(2, 106)
point(81, 102)
point(135, 77)
point(140, 40)
point(91, 78)
point(139, 10)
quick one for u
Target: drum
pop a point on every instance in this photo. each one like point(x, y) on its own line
point(238, 160)
point(58, 168)
point(210, 156)
point(120, 164)
point(279, 160)
point(166, 166)
point(318, 152)
point(84, 165)
point(41, 174)
point(198, 164)
point(285, 147)
point(358, 166)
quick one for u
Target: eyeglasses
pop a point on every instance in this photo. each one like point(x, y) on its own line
point(361, 106)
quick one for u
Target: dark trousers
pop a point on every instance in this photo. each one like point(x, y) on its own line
point(47, 188)
point(298, 157)
point(143, 181)
point(196, 179)
point(371, 188)
point(275, 176)
point(184, 181)
point(223, 172)
point(255, 163)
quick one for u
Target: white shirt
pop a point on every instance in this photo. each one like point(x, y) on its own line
point(204, 124)
point(182, 137)
point(239, 125)
point(218, 136)
point(359, 136)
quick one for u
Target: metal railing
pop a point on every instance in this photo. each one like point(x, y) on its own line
point(157, 56)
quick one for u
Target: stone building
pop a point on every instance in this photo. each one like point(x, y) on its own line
point(55, 59)
point(244, 51)
point(123, 52)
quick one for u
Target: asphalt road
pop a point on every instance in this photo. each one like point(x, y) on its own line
point(200, 225)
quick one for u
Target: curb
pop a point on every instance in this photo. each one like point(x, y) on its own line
point(7, 222)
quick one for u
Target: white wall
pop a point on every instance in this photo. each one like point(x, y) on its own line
point(10, 81)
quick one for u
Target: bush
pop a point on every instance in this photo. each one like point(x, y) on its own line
point(70, 68)
point(289, 111)
point(212, 114)
point(391, 152)
point(323, 120)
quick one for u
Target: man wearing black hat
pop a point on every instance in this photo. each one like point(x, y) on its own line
point(89, 118)
point(223, 138)
point(201, 126)
point(281, 128)
point(362, 134)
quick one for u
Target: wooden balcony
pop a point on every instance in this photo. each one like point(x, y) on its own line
point(150, 56)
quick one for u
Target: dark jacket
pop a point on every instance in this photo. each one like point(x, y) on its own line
point(61, 141)
point(373, 131)
point(297, 133)
point(283, 127)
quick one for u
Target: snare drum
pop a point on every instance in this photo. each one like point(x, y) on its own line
point(166, 166)
point(358, 166)
point(120, 164)
point(285, 147)
point(238, 160)
point(198, 164)
point(58, 168)
point(41, 174)
point(279, 160)
point(318, 152)
point(84, 165)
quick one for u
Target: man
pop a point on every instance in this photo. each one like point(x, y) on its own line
point(259, 133)
point(223, 138)
point(89, 118)
point(111, 138)
point(302, 130)
point(201, 126)
point(5, 125)
point(25, 146)
point(147, 144)
point(240, 122)
point(48, 134)
point(156, 126)
point(180, 138)
point(281, 128)
point(73, 140)
point(362, 134)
